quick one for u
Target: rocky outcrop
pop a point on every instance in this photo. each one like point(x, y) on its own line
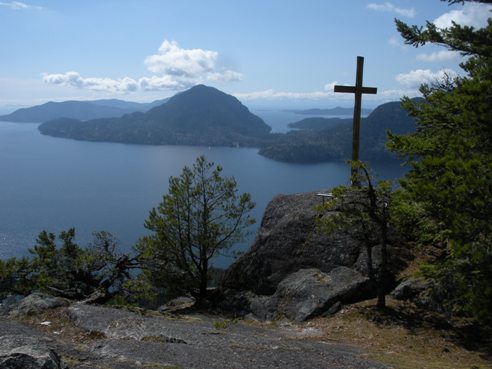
point(288, 241)
point(36, 303)
point(303, 295)
point(23, 352)
point(280, 265)
point(411, 288)
point(309, 292)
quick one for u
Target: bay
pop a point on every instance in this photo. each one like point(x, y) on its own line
point(52, 184)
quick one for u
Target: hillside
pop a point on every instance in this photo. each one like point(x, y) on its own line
point(319, 142)
point(199, 116)
point(81, 110)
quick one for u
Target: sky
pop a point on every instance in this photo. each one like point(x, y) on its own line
point(267, 53)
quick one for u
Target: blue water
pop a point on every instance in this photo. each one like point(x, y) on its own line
point(52, 184)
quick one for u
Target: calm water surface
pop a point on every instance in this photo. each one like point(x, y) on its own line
point(52, 184)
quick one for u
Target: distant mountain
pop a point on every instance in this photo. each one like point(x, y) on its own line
point(333, 111)
point(81, 110)
point(318, 123)
point(199, 116)
point(325, 144)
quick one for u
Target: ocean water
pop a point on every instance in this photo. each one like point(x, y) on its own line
point(52, 184)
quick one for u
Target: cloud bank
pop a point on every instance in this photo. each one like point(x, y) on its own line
point(471, 14)
point(415, 78)
point(390, 8)
point(326, 94)
point(173, 68)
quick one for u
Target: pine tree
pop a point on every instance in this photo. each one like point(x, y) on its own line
point(202, 216)
point(451, 159)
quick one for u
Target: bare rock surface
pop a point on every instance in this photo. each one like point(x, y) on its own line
point(308, 292)
point(122, 339)
point(36, 303)
point(304, 294)
point(18, 351)
point(266, 280)
point(288, 241)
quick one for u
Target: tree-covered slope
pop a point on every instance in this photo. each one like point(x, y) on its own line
point(199, 116)
point(320, 141)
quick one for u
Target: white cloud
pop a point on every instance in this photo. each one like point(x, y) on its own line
point(271, 94)
point(225, 76)
point(327, 94)
point(172, 60)
point(330, 86)
point(439, 56)
point(17, 5)
point(173, 68)
point(415, 78)
point(471, 14)
point(156, 83)
point(74, 79)
point(193, 64)
point(390, 8)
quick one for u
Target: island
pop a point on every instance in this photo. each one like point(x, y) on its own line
point(328, 139)
point(201, 115)
point(205, 116)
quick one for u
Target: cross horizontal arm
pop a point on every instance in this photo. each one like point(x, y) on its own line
point(352, 89)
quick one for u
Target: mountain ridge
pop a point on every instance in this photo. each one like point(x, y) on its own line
point(81, 110)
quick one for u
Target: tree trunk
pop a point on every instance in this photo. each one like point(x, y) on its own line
point(370, 271)
point(203, 281)
point(382, 269)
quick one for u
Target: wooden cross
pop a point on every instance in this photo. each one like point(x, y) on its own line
point(358, 90)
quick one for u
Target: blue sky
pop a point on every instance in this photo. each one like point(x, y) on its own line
point(267, 53)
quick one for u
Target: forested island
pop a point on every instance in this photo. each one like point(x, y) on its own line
point(206, 116)
point(325, 139)
point(201, 115)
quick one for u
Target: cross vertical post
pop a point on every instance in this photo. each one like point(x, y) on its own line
point(357, 90)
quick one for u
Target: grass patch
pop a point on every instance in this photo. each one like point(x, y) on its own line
point(57, 322)
point(404, 337)
point(224, 324)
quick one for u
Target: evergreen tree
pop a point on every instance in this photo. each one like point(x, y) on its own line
point(202, 215)
point(451, 159)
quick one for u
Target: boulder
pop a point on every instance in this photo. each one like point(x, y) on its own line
point(23, 352)
point(36, 303)
point(178, 303)
point(302, 295)
point(7, 303)
point(310, 292)
point(288, 241)
point(410, 288)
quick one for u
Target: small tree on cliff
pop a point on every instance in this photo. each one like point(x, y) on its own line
point(202, 215)
point(363, 213)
